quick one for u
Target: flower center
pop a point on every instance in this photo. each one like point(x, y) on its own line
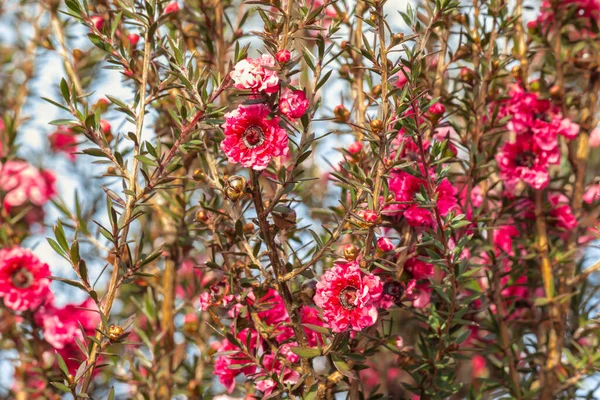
point(22, 278)
point(542, 117)
point(348, 296)
point(525, 159)
point(254, 136)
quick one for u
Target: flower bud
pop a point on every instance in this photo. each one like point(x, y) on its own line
point(385, 244)
point(350, 252)
point(368, 217)
point(467, 75)
point(98, 21)
point(342, 115)
point(102, 104)
point(133, 39)
point(355, 148)
point(235, 187)
point(532, 26)
point(437, 108)
point(172, 7)
point(283, 56)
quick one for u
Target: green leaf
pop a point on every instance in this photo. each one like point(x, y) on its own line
point(306, 352)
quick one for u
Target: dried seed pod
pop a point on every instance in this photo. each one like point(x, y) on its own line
point(235, 187)
point(115, 332)
point(350, 252)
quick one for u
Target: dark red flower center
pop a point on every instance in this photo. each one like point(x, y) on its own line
point(22, 278)
point(348, 296)
point(525, 159)
point(542, 117)
point(254, 136)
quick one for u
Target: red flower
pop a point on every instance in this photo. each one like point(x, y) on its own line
point(24, 283)
point(251, 139)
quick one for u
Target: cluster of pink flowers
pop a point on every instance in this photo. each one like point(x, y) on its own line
point(405, 187)
point(233, 360)
point(584, 10)
point(253, 133)
point(537, 125)
point(25, 287)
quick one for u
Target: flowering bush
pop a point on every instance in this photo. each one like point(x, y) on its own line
point(299, 199)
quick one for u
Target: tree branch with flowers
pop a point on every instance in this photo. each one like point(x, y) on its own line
point(309, 199)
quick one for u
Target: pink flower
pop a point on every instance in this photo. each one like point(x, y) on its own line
point(61, 325)
point(421, 295)
point(355, 148)
point(419, 269)
point(524, 160)
point(22, 182)
point(405, 187)
point(562, 212)
point(402, 77)
point(348, 297)
point(251, 139)
point(503, 237)
point(273, 366)
point(283, 56)
point(256, 75)
point(24, 283)
point(217, 295)
point(385, 244)
point(592, 194)
point(171, 7)
point(64, 140)
point(230, 359)
point(293, 104)
point(595, 138)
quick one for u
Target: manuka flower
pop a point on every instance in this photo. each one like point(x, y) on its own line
point(293, 103)
point(62, 325)
point(251, 139)
point(24, 283)
point(348, 297)
point(23, 182)
point(256, 75)
point(525, 160)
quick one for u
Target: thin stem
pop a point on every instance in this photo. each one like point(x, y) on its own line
point(130, 205)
